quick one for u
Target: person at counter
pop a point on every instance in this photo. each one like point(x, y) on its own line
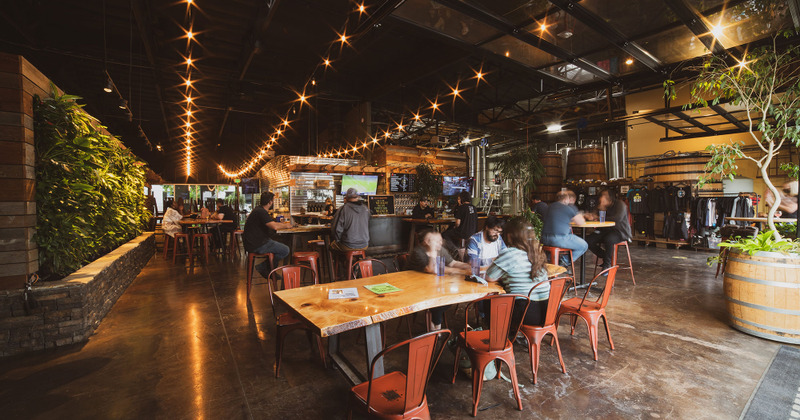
point(488, 243)
point(329, 208)
point(601, 243)
point(423, 209)
point(350, 225)
point(423, 258)
point(259, 229)
point(466, 223)
point(556, 230)
point(224, 212)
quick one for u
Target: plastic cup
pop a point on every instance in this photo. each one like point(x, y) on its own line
point(601, 215)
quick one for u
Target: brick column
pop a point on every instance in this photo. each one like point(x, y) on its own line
point(19, 81)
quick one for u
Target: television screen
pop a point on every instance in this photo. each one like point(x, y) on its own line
point(453, 185)
point(250, 186)
point(364, 184)
point(402, 183)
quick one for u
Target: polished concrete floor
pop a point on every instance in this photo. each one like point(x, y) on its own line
point(185, 342)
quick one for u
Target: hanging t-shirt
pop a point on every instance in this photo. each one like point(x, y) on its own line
point(637, 199)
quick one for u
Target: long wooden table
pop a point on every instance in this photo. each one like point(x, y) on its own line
point(420, 291)
point(589, 225)
point(299, 231)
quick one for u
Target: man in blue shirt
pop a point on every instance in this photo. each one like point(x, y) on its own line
point(556, 229)
point(487, 243)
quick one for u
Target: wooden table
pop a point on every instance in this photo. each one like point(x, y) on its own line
point(299, 231)
point(589, 225)
point(205, 224)
point(760, 220)
point(437, 224)
point(420, 291)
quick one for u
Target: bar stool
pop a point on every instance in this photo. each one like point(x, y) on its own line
point(554, 253)
point(310, 257)
point(251, 256)
point(166, 245)
point(234, 239)
point(186, 241)
point(348, 256)
point(614, 259)
point(205, 238)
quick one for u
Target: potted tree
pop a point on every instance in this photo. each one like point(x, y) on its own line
point(762, 274)
point(524, 169)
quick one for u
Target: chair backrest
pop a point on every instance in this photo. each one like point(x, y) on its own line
point(421, 362)
point(557, 290)
point(292, 278)
point(365, 268)
point(401, 261)
point(501, 325)
point(603, 298)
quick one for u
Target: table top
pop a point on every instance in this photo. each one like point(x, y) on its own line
point(760, 219)
point(593, 224)
point(420, 291)
point(203, 221)
point(431, 221)
point(303, 229)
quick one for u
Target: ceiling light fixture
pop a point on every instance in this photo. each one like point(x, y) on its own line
point(629, 61)
point(109, 87)
point(554, 127)
point(122, 103)
point(716, 31)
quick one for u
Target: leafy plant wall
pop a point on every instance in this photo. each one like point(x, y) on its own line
point(89, 188)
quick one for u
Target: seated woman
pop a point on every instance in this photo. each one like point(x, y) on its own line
point(423, 258)
point(172, 217)
point(520, 267)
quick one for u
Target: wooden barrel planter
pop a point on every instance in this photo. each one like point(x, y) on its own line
point(586, 164)
point(550, 183)
point(763, 294)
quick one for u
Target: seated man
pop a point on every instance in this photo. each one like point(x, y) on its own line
point(602, 242)
point(350, 225)
point(422, 210)
point(539, 206)
point(423, 258)
point(259, 229)
point(466, 223)
point(487, 244)
point(556, 229)
point(224, 212)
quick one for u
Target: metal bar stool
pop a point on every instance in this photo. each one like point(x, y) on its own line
point(614, 260)
point(186, 241)
point(309, 257)
point(251, 256)
point(205, 239)
point(349, 256)
point(554, 253)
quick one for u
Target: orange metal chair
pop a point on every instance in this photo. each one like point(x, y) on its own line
point(400, 394)
point(534, 333)
point(346, 258)
point(492, 345)
point(251, 256)
point(205, 244)
point(591, 312)
point(614, 259)
point(400, 262)
point(365, 268)
point(285, 321)
point(309, 257)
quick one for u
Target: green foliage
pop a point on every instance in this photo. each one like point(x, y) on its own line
point(535, 220)
point(89, 189)
point(787, 230)
point(429, 181)
point(764, 241)
point(523, 166)
point(791, 169)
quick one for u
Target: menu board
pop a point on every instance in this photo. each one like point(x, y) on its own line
point(402, 183)
point(381, 204)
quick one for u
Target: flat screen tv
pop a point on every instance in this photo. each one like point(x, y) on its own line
point(402, 183)
point(454, 185)
point(250, 186)
point(364, 184)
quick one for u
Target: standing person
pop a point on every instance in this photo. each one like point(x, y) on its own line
point(259, 229)
point(422, 210)
point(466, 223)
point(423, 258)
point(556, 230)
point(171, 221)
point(224, 212)
point(539, 206)
point(488, 243)
point(350, 225)
point(519, 268)
point(601, 243)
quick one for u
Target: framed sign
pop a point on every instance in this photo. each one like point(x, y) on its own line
point(381, 204)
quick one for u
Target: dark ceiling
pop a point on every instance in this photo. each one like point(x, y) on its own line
point(251, 58)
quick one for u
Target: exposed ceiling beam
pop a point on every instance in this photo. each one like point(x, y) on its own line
point(696, 23)
point(725, 114)
point(665, 125)
point(529, 38)
point(698, 135)
point(142, 17)
point(610, 33)
point(693, 122)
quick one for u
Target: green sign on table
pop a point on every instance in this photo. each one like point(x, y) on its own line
point(382, 288)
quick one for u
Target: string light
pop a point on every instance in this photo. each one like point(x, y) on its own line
point(189, 61)
point(361, 8)
point(327, 62)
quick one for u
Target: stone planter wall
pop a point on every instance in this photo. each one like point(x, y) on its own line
point(69, 310)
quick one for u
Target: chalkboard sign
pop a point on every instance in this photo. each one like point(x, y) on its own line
point(381, 204)
point(402, 183)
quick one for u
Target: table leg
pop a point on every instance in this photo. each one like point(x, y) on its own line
point(583, 258)
point(350, 373)
point(412, 237)
point(374, 346)
point(327, 254)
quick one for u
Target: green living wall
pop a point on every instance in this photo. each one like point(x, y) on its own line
point(89, 188)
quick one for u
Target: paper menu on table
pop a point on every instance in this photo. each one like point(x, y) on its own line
point(346, 293)
point(382, 288)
